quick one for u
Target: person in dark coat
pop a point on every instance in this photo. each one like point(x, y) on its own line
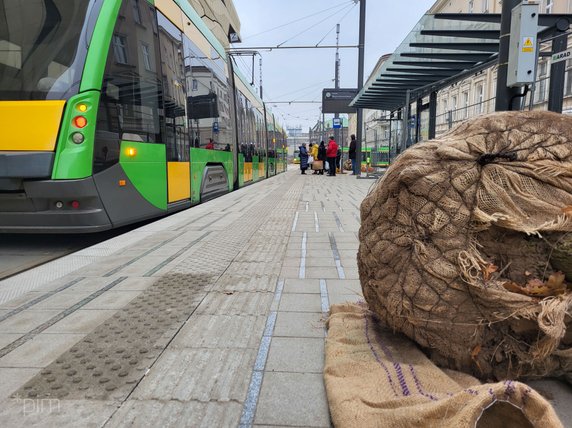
point(303, 158)
point(352, 154)
point(322, 156)
point(331, 154)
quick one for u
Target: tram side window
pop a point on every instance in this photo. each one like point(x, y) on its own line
point(130, 107)
point(176, 135)
point(208, 103)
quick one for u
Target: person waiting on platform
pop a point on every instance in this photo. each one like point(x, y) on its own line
point(210, 144)
point(352, 154)
point(303, 158)
point(332, 153)
point(322, 156)
point(314, 153)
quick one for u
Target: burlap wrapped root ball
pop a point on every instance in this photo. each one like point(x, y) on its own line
point(458, 243)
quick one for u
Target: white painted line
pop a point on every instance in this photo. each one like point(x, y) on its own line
point(295, 222)
point(302, 273)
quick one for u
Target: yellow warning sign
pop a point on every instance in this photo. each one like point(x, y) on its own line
point(528, 44)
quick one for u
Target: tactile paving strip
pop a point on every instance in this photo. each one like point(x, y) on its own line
point(110, 361)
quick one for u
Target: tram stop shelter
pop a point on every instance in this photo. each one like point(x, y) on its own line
point(443, 49)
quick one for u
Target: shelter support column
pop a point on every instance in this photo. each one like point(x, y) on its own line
point(557, 72)
point(432, 114)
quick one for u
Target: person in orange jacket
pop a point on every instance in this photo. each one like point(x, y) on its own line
point(331, 154)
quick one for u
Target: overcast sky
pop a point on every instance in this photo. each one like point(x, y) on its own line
point(301, 74)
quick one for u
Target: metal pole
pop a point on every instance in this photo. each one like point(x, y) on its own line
point(418, 107)
point(432, 114)
point(504, 94)
point(361, 59)
point(337, 80)
point(557, 73)
point(405, 131)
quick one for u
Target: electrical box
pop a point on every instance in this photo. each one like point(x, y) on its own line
point(523, 52)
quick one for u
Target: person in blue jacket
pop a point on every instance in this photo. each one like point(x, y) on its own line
point(303, 158)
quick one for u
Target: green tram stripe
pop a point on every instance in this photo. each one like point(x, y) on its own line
point(99, 46)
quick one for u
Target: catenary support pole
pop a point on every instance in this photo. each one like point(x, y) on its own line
point(361, 59)
point(504, 95)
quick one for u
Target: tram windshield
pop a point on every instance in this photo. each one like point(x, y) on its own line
point(40, 53)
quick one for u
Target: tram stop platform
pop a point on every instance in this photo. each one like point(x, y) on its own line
point(211, 317)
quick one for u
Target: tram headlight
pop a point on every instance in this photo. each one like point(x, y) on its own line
point(78, 137)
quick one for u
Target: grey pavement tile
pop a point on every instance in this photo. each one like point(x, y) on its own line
point(295, 302)
point(20, 300)
point(40, 351)
point(55, 413)
point(13, 379)
point(80, 321)
point(292, 262)
point(343, 286)
point(220, 332)
point(167, 414)
point(26, 321)
point(232, 283)
point(235, 303)
point(314, 261)
point(135, 283)
point(112, 300)
point(351, 273)
point(309, 286)
point(299, 324)
point(296, 253)
point(335, 299)
point(297, 355)
point(92, 284)
point(199, 374)
point(346, 254)
point(322, 272)
point(293, 399)
point(62, 300)
point(7, 338)
point(290, 272)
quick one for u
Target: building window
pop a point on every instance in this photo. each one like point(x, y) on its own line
point(568, 84)
point(543, 69)
point(479, 98)
point(136, 11)
point(471, 6)
point(120, 49)
point(549, 6)
point(485, 6)
point(466, 105)
point(146, 56)
point(454, 107)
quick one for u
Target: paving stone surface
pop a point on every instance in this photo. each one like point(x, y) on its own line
point(211, 317)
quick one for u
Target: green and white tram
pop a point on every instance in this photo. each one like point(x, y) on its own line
point(116, 111)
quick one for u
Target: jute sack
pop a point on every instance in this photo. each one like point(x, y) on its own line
point(457, 246)
point(375, 378)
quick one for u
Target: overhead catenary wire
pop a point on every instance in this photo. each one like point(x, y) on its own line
point(339, 5)
point(309, 28)
point(335, 26)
